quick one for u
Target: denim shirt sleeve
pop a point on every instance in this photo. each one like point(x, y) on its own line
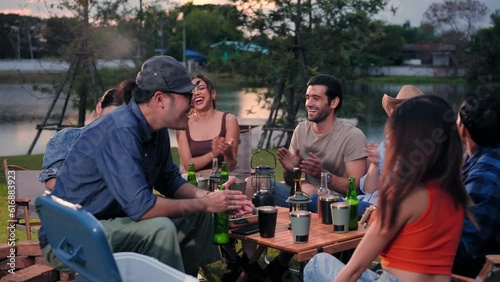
point(119, 163)
point(56, 152)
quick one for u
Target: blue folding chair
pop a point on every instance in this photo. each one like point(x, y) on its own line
point(78, 239)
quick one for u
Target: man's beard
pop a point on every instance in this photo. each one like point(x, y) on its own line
point(320, 116)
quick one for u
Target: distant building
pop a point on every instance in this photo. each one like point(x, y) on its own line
point(438, 55)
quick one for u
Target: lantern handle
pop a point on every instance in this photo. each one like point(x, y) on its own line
point(251, 160)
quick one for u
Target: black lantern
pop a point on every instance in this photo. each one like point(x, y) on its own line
point(263, 182)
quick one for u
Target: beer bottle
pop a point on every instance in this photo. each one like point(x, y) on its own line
point(224, 173)
point(352, 199)
point(192, 175)
point(221, 232)
point(323, 190)
point(297, 187)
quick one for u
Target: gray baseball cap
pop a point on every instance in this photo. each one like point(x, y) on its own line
point(166, 74)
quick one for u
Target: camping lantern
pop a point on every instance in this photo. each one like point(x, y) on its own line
point(298, 202)
point(263, 182)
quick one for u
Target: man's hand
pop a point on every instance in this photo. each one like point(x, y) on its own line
point(229, 200)
point(287, 159)
point(312, 165)
point(372, 153)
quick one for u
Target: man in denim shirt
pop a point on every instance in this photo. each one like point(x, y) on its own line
point(118, 159)
point(478, 124)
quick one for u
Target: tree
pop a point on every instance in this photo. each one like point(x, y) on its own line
point(59, 35)
point(485, 55)
point(20, 36)
point(303, 39)
point(460, 17)
point(456, 21)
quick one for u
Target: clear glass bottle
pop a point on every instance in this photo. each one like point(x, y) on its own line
point(323, 190)
point(352, 199)
point(214, 178)
point(221, 231)
point(191, 178)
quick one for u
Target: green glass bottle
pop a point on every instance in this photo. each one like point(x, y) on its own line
point(352, 199)
point(224, 173)
point(192, 175)
point(221, 231)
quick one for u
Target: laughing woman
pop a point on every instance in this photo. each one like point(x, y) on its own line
point(422, 203)
point(210, 133)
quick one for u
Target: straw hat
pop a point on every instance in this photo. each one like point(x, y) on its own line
point(406, 92)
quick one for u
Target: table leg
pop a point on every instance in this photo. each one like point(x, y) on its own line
point(301, 271)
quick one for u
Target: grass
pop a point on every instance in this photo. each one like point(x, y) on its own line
point(35, 162)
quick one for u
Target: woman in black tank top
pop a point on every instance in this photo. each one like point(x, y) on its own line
point(210, 133)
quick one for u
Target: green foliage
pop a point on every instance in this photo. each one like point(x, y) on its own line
point(304, 39)
point(204, 25)
point(485, 55)
point(17, 33)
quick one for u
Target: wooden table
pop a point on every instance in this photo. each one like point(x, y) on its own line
point(321, 239)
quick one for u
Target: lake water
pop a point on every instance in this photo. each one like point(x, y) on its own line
point(22, 108)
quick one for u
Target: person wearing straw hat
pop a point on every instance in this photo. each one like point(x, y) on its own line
point(369, 182)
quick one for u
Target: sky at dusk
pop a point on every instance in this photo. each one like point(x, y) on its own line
point(411, 10)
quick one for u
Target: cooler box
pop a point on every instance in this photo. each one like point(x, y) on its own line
point(136, 267)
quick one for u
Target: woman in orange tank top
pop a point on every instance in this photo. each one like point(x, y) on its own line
point(421, 208)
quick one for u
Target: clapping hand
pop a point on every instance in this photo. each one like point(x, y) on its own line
point(312, 166)
point(222, 146)
point(215, 147)
point(287, 159)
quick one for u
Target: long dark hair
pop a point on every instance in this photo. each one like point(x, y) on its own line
point(208, 82)
point(111, 98)
point(423, 145)
point(125, 89)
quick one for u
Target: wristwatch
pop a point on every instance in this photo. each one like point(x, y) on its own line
point(328, 178)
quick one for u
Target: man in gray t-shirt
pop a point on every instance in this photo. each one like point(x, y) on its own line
point(323, 143)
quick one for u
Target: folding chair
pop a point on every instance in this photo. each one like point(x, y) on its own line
point(26, 187)
point(489, 273)
point(78, 240)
